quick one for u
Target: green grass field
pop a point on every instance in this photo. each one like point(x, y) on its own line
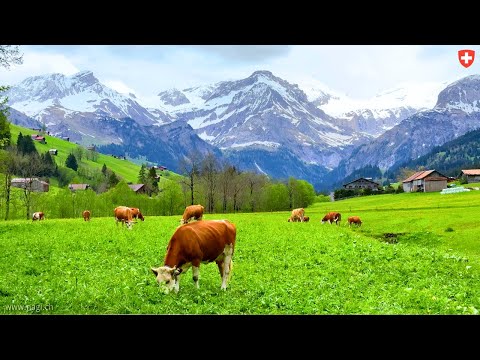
point(430, 265)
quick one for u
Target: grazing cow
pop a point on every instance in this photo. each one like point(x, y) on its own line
point(86, 215)
point(194, 212)
point(332, 217)
point(195, 243)
point(297, 215)
point(306, 218)
point(354, 220)
point(39, 215)
point(124, 214)
point(136, 214)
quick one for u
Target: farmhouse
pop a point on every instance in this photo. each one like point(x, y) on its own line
point(39, 138)
point(137, 188)
point(92, 148)
point(53, 151)
point(32, 184)
point(75, 187)
point(425, 181)
point(362, 183)
point(472, 175)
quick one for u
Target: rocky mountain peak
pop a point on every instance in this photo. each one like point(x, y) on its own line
point(463, 95)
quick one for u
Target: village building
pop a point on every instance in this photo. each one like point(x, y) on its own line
point(32, 184)
point(38, 138)
point(471, 175)
point(137, 188)
point(425, 181)
point(53, 151)
point(362, 183)
point(75, 187)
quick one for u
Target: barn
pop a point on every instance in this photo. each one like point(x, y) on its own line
point(32, 184)
point(137, 188)
point(75, 187)
point(362, 183)
point(425, 181)
point(472, 175)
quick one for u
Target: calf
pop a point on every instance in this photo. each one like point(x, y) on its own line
point(86, 215)
point(123, 214)
point(194, 212)
point(297, 215)
point(332, 217)
point(195, 243)
point(136, 214)
point(39, 215)
point(354, 220)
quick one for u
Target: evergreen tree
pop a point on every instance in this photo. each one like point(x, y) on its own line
point(142, 177)
point(71, 162)
point(25, 145)
point(113, 180)
point(49, 166)
point(104, 170)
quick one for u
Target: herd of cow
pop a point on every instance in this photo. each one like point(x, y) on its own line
point(200, 241)
point(298, 215)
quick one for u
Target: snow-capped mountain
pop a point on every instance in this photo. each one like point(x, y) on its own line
point(376, 115)
point(456, 112)
point(61, 102)
point(262, 112)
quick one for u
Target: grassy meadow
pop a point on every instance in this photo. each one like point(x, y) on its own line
point(125, 169)
point(414, 254)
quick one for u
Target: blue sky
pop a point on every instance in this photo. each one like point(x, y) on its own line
point(357, 70)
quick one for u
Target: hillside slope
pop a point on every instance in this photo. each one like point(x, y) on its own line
point(125, 169)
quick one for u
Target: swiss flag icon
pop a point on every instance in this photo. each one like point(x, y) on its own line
point(466, 57)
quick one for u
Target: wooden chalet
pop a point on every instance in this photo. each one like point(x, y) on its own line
point(137, 188)
point(32, 184)
point(425, 181)
point(362, 183)
point(472, 175)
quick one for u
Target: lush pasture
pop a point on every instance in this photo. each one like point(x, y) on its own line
point(68, 266)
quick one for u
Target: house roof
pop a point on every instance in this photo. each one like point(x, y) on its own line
point(136, 187)
point(78, 186)
point(471, 172)
point(422, 174)
point(362, 178)
point(24, 180)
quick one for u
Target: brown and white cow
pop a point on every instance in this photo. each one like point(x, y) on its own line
point(136, 214)
point(354, 220)
point(332, 217)
point(194, 212)
point(124, 214)
point(86, 215)
point(39, 215)
point(196, 243)
point(306, 218)
point(297, 215)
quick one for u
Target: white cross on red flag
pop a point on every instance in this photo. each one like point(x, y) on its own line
point(466, 57)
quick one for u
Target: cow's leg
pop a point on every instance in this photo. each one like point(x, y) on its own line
point(220, 264)
point(196, 272)
point(227, 264)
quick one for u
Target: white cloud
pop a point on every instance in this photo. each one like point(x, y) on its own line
point(119, 86)
point(37, 63)
point(356, 70)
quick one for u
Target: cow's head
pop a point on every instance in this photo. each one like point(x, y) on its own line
point(140, 216)
point(167, 277)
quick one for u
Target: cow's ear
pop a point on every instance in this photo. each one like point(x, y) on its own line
point(177, 272)
point(155, 271)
